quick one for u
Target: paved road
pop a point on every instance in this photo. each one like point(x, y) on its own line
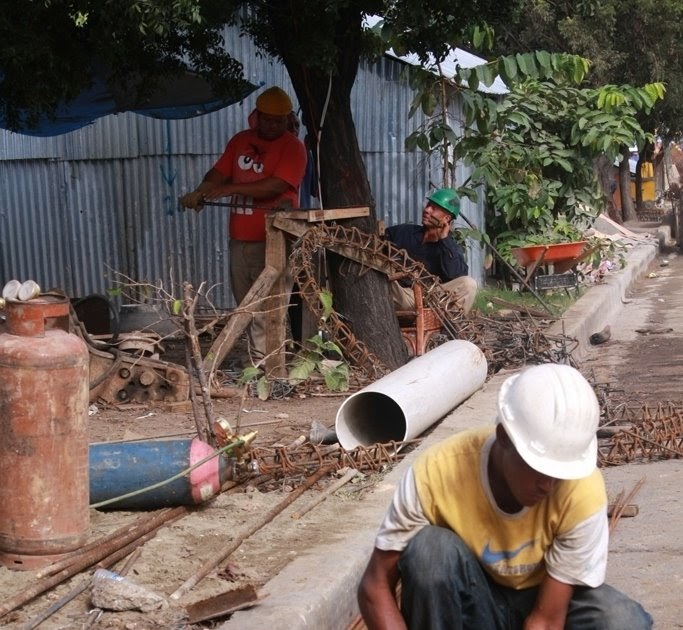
point(643, 365)
point(644, 356)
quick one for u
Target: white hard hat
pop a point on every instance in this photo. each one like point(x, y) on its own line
point(551, 414)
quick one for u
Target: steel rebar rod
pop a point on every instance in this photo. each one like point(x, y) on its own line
point(211, 564)
point(113, 548)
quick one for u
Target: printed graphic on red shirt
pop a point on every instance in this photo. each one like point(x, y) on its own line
point(251, 162)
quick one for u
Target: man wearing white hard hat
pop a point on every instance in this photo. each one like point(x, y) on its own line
point(504, 527)
point(260, 169)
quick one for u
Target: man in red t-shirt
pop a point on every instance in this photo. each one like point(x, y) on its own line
point(260, 169)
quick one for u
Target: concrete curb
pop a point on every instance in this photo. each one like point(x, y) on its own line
point(317, 591)
point(592, 312)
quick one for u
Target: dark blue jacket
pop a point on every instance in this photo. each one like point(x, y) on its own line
point(443, 258)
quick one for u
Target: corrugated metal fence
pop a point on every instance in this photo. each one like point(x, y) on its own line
point(98, 206)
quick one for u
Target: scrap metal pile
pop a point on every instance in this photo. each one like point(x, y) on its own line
point(299, 460)
point(643, 434)
point(505, 343)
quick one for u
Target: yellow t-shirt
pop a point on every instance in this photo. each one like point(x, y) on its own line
point(565, 534)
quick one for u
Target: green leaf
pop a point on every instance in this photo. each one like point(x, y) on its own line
point(263, 388)
point(485, 74)
point(544, 62)
point(519, 119)
point(478, 37)
point(579, 71)
point(436, 135)
point(411, 142)
point(177, 307)
point(470, 193)
point(657, 91)
point(337, 378)
point(415, 104)
point(527, 64)
point(509, 69)
point(450, 135)
point(325, 297)
point(565, 165)
point(249, 374)
point(428, 103)
point(330, 346)
point(423, 143)
point(301, 371)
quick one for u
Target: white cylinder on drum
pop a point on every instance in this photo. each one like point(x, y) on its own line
point(407, 401)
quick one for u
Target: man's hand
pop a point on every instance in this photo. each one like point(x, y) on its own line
point(436, 223)
point(193, 200)
point(440, 227)
point(431, 221)
point(445, 229)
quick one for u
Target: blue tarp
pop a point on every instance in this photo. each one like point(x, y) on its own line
point(182, 97)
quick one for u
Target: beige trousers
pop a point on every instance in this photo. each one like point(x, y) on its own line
point(464, 288)
point(247, 261)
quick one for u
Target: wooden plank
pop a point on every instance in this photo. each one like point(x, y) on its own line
point(291, 226)
point(240, 319)
point(276, 305)
point(360, 256)
point(222, 604)
point(329, 214)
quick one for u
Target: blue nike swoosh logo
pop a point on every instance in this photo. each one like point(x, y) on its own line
point(491, 557)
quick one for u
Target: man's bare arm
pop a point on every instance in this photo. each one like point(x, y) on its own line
point(212, 181)
point(550, 609)
point(261, 189)
point(377, 592)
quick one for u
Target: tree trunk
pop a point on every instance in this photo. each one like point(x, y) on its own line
point(628, 211)
point(360, 295)
point(639, 184)
point(605, 171)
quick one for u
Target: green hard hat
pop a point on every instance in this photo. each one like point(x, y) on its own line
point(447, 199)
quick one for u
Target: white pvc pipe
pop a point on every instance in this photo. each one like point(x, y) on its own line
point(402, 404)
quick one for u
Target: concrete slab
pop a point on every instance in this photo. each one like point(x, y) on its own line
point(646, 552)
point(599, 305)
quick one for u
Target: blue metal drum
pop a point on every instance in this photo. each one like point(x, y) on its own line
point(119, 468)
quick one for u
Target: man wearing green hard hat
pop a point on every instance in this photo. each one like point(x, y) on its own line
point(433, 245)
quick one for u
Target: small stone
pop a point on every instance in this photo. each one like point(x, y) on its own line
point(111, 591)
point(600, 337)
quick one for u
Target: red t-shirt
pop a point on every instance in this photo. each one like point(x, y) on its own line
point(248, 158)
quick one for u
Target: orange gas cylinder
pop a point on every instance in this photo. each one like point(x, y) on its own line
point(44, 484)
